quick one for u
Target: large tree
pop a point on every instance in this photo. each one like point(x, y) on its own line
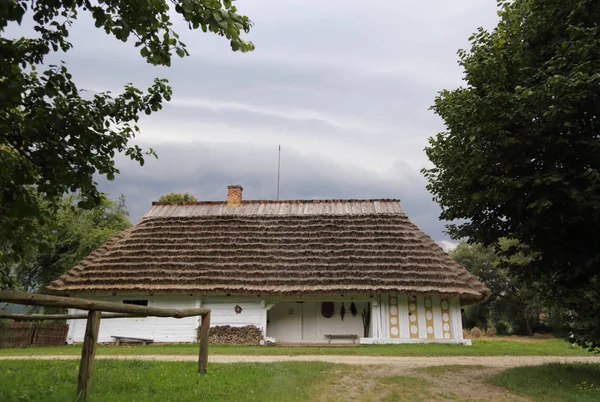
point(521, 155)
point(54, 140)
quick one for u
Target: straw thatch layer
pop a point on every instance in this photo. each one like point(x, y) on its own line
point(304, 248)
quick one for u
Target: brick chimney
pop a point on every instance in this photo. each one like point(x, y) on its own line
point(234, 196)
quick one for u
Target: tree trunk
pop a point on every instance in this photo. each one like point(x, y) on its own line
point(529, 329)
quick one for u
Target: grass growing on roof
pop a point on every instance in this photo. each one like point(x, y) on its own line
point(546, 347)
point(577, 382)
point(116, 380)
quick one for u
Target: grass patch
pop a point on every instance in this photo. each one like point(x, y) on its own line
point(116, 380)
point(553, 382)
point(403, 388)
point(449, 369)
point(548, 347)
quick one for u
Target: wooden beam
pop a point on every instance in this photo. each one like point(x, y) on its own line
point(86, 366)
point(203, 341)
point(42, 317)
point(84, 304)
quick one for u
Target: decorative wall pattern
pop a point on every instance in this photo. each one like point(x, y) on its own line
point(429, 318)
point(394, 317)
point(446, 324)
point(413, 316)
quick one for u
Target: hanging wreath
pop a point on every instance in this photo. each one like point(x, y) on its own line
point(327, 309)
point(342, 311)
point(353, 309)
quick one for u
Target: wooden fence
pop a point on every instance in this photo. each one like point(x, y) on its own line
point(96, 310)
point(24, 334)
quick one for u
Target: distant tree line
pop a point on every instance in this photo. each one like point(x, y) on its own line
point(514, 307)
point(72, 232)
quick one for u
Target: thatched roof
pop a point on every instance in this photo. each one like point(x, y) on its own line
point(271, 248)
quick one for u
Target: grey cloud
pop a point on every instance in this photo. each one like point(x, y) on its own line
point(385, 99)
point(204, 169)
point(353, 77)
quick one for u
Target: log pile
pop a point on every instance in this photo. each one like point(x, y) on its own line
point(228, 335)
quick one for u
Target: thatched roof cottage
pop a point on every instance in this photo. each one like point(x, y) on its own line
point(300, 271)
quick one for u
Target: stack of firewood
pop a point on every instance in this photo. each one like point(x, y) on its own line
point(228, 335)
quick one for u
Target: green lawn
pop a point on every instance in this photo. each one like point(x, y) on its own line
point(548, 347)
point(553, 382)
point(163, 381)
point(123, 380)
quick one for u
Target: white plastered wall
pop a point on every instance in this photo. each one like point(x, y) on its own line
point(157, 328)
point(172, 329)
point(305, 324)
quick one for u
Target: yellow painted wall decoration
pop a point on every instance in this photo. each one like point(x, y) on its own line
point(394, 317)
point(429, 317)
point(446, 325)
point(413, 316)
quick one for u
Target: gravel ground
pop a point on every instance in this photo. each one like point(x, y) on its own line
point(406, 362)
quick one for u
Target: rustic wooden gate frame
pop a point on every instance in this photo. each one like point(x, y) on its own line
point(96, 309)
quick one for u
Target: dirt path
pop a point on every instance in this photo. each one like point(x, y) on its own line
point(398, 361)
point(393, 383)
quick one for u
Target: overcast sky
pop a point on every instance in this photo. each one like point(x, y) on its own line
point(343, 86)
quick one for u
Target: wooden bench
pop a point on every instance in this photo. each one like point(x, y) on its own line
point(354, 337)
point(129, 339)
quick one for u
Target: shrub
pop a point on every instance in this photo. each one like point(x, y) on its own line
point(475, 333)
point(503, 328)
point(491, 332)
point(466, 334)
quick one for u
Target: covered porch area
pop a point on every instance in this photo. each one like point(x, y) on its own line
point(319, 321)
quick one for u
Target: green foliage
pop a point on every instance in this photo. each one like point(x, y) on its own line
point(577, 382)
point(177, 197)
point(513, 307)
point(53, 139)
point(76, 233)
point(521, 155)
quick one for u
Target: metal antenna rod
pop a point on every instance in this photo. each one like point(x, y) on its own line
point(278, 170)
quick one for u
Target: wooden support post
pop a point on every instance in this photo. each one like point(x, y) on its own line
point(86, 366)
point(203, 341)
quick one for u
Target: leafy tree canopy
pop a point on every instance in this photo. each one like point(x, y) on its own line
point(76, 232)
point(514, 307)
point(521, 155)
point(52, 139)
point(177, 197)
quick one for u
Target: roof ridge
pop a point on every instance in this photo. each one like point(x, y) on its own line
point(325, 201)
